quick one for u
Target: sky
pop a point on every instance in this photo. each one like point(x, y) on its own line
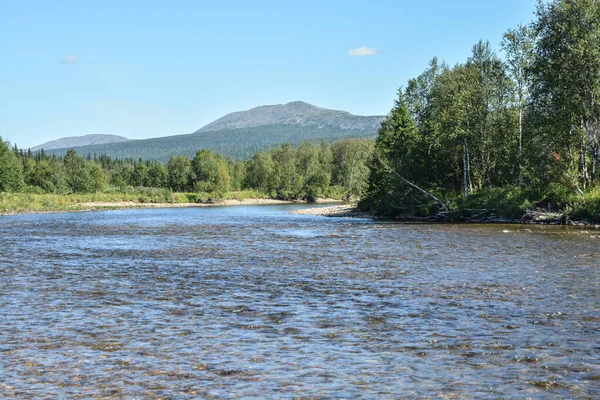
point(153, 68)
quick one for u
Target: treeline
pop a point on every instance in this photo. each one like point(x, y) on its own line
point(520, 129)
point(239, 144)
point(287, 172)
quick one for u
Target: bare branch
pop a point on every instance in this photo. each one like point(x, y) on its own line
point(409, 183)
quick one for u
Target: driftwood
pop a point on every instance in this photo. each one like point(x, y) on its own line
point(464, 215)
point(545, 217)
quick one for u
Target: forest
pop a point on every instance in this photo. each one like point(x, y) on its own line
point(500, 135)
point(503, 133)
point(238, 144)
point(306, 171)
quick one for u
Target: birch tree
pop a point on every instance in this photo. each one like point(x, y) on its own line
point(518, 44)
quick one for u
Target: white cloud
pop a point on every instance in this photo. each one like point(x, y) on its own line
point(363, 52)
point(71, 59)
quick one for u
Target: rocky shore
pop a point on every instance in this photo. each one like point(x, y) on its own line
point(529, 218)
point(344, 211)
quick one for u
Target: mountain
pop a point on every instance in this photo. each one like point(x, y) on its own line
point(296, 113)
point(240, 135)
point(79, 141)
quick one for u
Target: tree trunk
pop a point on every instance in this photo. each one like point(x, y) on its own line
point(594, 151)
point(582, 156)
point(465, 168)
point(520, 155)
point(592, 131)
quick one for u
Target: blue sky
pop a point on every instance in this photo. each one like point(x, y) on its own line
point(155, 68)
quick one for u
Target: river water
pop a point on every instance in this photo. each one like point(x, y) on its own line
point(231, 302)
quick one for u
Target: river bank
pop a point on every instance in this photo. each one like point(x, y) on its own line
point(44, 204)
point(16, 204)
point(531, 217)
point(339, 211)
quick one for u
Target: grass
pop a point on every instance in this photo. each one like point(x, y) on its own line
point(512, 203)
point(586, 207)
point(35, 202)
point(508, 203)
point(22, 202)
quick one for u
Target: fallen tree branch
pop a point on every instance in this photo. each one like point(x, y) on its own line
point(409, 183)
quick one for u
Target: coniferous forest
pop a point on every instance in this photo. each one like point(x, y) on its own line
point(511, 129)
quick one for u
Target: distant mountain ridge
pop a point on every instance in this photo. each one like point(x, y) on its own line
point(296, 113)
point(79, 141)
point(240, 135)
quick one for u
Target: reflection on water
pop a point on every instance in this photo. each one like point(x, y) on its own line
point(252, 301)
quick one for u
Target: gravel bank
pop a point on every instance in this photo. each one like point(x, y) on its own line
point(346, 210)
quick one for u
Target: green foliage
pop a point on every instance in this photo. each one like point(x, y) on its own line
point(44, 175)
point(350, 170)
point(77, 176)
point(394, 152)
point(157, 175)
point(238, 144)
point(154, 195)
point(284, 172)
point(260, 173)
point(81, 176)
point(311, 170)
point(210, 172)
point(508, 203)
point(474, 132)
point(180, 173)
point(585, 207)
point(566, 84)
point(11, 171)
point(97, 177)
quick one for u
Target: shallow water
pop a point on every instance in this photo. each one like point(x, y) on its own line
point(256, 302)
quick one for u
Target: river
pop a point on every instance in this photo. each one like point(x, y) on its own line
point(231, 302)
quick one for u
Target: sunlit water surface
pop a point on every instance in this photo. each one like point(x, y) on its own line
point(256, 302)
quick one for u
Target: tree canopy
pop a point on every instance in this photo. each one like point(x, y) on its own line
point(529, 123)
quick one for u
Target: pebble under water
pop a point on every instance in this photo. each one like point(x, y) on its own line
point(231, 302)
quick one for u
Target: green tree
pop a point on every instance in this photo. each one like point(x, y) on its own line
point(180, 170)
point(260, 174)
point(139, 175)
point(311, 176)
point(97, 177)
point(237, 172)
point(518, 44)
point(566, 74)
point(11, 170)
point(350, 164)
point(456, 114)
point(77, 175)
point(157, 176)
point(44, 176)
point(286, 180)
point(211, 172)
point(394, 154)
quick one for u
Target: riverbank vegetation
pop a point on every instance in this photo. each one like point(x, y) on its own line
point(499, 137)
point(38, 181)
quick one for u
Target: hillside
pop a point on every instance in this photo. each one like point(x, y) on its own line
point(240, 135)
point(296, 113)
point(235, 143)
point(78, 141)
